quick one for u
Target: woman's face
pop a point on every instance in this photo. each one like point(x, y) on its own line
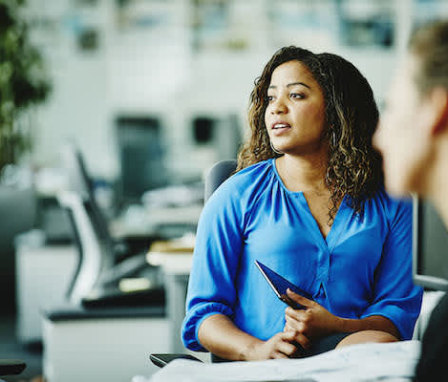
point(295, 114)
point(402, 135)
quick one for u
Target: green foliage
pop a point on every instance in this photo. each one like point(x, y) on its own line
point(23, 81)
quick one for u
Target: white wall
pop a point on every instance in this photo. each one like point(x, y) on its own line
point(141, 73)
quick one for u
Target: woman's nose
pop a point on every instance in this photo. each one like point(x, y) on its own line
point(279, 107)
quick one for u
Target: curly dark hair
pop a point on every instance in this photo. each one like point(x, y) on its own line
point(354, 166)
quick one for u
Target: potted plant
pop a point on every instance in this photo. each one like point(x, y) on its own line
point(23, 84)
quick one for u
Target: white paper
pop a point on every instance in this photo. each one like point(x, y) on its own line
point(365, 362)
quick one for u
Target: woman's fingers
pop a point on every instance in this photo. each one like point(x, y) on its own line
point(295, 323)
point(303, 340)
point(286, 348)
point(299, 315)
point(295, 338)
point(281, 345)
point(298, 331)
point(314, 321)
point(279, 354)
point(287, 344)
point(299, 299)
point(288, 336)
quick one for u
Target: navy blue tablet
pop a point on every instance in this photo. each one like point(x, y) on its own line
point(279, 285)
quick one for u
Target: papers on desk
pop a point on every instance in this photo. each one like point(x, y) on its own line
point(364, 362)
point(174, 256)
point(183, 244)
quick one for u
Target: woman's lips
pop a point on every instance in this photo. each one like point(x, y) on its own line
point(279, 128)
point(280, 125)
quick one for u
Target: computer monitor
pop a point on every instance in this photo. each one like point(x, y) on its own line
point(141, 154)
point(430, 247)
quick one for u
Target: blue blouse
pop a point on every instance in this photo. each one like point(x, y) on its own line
point(362, 268)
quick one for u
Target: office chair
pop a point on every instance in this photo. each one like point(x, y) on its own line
point(99, 271)
point(96, 277)
point(81, 182)
point(219, 172)
point(103, 328)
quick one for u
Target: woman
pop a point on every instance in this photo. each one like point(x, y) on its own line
point(414, 141)
point(307, 202)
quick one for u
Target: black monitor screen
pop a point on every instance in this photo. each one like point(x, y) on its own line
point(430, 247)
point(141, 156)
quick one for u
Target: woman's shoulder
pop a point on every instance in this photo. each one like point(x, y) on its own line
point(251, 176)
point(391, 206)
point(254, 171)
point(246, 183)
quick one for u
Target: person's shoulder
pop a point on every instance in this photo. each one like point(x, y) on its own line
point(255, 171)
point(391, 202)
point(251, 176)
point(239, 193)
point(393, 206)
point(247, 183)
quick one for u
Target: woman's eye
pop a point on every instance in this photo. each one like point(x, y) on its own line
point(270, 98)
point(297, 95)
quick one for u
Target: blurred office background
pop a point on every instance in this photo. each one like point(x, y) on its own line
point(153, 93)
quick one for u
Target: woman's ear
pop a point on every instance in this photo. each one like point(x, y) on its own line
point(438, 103)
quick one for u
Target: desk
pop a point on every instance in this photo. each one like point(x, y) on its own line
point(363, 362)
point(176, 269)
point(137, 220)
point(102, 344)
point(43, 277)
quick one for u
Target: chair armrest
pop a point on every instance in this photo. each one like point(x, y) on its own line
point(430, 301)
point(11, 366)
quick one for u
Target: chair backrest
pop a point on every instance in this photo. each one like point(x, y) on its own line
point(91, 231)
point(219, 172)
point(81, 183)
point(94, 255)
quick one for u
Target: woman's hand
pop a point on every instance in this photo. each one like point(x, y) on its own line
point(312, 322)
point(281, 345)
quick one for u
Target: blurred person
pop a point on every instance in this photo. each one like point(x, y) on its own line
point(413, 139)
point(307, 200)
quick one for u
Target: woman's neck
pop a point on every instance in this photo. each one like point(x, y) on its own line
point(437, 189)
point(303, 173)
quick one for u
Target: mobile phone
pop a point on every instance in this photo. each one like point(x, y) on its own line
point(163, 359)
point(279, 285)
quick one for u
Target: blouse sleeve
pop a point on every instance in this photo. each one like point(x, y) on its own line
point(211, 287)
point(395, 296)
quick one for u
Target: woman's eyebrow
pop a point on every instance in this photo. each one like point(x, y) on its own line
point(291, 84)
point(298, 83)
